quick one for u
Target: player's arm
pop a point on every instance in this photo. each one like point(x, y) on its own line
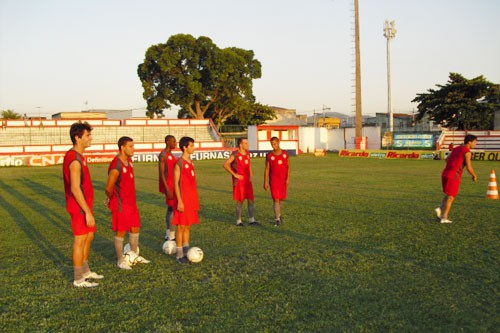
point(289, 171)
point(164, 171)
point(75, 171)
point(110, 186)
point(177, 187)
point(468, 165)
point(227, 166)
point(266, 175)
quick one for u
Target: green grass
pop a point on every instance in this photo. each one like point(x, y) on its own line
point(360, 251)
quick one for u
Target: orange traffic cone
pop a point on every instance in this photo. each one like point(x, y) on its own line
point(492, 192)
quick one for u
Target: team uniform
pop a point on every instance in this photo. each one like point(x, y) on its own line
point(278, 174)
point(242, 188)
point(452, 174)
point(189, 194)
point(78, 221)
point(170, 162)
point(123, 203)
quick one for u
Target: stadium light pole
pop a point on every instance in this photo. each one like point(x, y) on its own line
point(389, 33)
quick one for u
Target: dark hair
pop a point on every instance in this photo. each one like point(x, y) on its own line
point(469, 138)
point(239, 141)
point(184, 142)
point(168, 137)
point(274, 138)
point(123, 141)
point(78, 129)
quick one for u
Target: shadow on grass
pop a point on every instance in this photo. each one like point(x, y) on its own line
point(63, 223)
point(50, 251)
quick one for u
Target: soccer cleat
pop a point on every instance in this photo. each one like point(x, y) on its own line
point(438, 212)
point(85, 284)
point(277, 223)
point(239, 224)
point(183, 260)
point(93, 275)
point(167, 235)
point(141, 260)
point(446, 221)
point(253, 223)
point(124, 265)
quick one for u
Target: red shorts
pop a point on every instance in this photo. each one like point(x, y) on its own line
point(278, 190)
point(451, 184)
point(243, 189)
point(79, 225)
point(188, 218)
point(128, 218)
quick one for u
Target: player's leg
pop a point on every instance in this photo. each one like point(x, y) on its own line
point(78, 250)
point(170, 235)
point(251, 212)
point(277, 212)
point(87, 273)
point(80, 253)
point(179, 240)
point(186, 239)
point(239, 209)
point(448, 203)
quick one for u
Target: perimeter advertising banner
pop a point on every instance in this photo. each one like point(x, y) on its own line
point(93, 158)
point(416, 154)
point(389, 154)
point(413, 141)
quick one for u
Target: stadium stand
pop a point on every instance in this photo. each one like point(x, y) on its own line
point(34, 136)
point(486, 140)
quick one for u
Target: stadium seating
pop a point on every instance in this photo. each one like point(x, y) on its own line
point(487, 140)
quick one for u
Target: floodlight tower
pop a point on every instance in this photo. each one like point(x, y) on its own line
point(389, 33)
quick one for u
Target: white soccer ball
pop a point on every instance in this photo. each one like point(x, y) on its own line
point(169, 247)
point(195, 254)
point(126, 249)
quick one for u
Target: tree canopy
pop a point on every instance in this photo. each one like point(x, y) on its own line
point(461, 104)
point(10, 114)
point(204, 80)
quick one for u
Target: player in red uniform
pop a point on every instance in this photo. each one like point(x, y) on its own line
point(277, 177)
point(238, 165)
point(166, 165)
point(451, 177)
point(121, 194)
point(188, 204)
point(79, 193)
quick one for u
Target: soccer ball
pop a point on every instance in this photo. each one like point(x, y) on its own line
point(126, 249)
point(195, 254)
point(169, 247)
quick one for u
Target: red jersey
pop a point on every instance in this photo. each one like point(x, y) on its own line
point(242, 188)
point(189, 189)
point(124, 191)
point(169, 160)
point(278, 174)
point(456, 162)
point(241, 165)
point(278, 166)
point(85, 182)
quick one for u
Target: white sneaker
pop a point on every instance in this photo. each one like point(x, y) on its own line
point(438, 212)
point(124, 264)
point(85, 284)
point(446, 221)
point(93, 275)
point(141, 260)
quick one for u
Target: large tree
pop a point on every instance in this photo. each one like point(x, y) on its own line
point(10, 114)
point(461, 104)
point(204, 80)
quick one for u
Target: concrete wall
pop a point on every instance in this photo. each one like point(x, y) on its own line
point(311, 138)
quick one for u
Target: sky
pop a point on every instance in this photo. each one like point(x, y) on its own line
point(60, 55)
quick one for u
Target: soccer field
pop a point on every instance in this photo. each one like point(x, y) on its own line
point(360, 251)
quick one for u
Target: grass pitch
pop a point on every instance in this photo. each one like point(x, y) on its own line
point(360, 251)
